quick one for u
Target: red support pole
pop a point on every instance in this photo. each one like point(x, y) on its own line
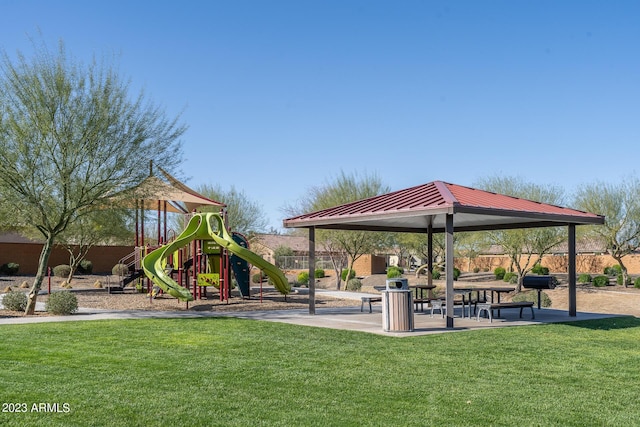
point(165, 220)
point(49, 274)
point(159, 237)
point(221, 276)
point(180, 267)
point(137, 230)
point(194, 279)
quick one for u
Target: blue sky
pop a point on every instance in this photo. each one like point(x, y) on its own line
point(283, 95)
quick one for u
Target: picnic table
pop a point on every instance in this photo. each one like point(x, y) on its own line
point(467, 298)
point(419, 297)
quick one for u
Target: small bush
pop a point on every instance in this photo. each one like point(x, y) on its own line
point(303, 278)
point(509, 276)
point(619, 280)
point(600, 281)
point(540, 270)
point(319, 273)
point(85, 267)
point(10, 268)
point(354, 285)
point(499, 273)
point(343, 274)
point(256, 278)
point(456, 273)
point(613, 270)
point(532, 296)
point(15, 301)
point(584, 278)
point(62, 270)
point(393, 272)
point(636, 283)
point(63, 302)
point(120, 270)
point(435, 275)
point(476, 269)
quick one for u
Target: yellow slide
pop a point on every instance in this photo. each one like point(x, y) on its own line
point(199, 228)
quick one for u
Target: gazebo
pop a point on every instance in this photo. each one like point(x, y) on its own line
point(441, 207)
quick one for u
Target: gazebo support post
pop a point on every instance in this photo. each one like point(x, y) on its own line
point(430, 252)
point(449, 269)
point(572, 270)
point(312, 270)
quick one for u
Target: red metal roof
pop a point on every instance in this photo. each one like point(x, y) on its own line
point(406, 210)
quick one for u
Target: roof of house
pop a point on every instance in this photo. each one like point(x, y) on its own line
point(273, 241)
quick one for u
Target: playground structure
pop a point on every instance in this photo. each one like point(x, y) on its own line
point(203, 254)
point(206, 228)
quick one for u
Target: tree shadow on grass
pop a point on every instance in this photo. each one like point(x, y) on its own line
point(610, 323)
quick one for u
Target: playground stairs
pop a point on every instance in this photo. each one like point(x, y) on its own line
point(134, 271)
point(124, 281)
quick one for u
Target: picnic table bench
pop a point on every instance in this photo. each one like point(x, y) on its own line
point(369, 300)
point(490, 306)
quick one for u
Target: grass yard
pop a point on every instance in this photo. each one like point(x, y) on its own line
point(224, 371)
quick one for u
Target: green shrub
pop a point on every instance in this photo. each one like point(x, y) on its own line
point(532, 296)
point(303, 278)
point(256, 278)
point(10, 268)
point(613, 270)
point(509, 276)
point(120, 270)
point(343, 274)
point(584, 278)
point(456, 273)
point(600, 281)
point(63, 302)
point(393, 272)
point(499, 273)
point(62, 270)
point(354, 285)
point(619, 280)
point(636, 283)
point(540, 270)
point(15, 301)
point(476, 269)
point(85, 267)
point(319, 273)
point(435, 275)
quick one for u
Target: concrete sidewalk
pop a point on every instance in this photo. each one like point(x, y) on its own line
point(346, 318)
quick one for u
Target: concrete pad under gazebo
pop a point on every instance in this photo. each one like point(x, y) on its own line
point(441, 207)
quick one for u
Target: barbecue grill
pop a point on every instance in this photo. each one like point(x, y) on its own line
point(539, 283)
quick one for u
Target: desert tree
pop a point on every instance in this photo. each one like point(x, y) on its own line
point(111, 225)
point(244, 215)
point(525, 247)
point(345, 247)
point(620, 204)
point(71, 138)
point(470, 245)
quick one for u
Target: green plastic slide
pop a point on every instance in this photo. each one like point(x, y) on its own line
point(199, 228)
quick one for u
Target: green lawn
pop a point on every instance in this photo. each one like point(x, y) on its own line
point(223, 371)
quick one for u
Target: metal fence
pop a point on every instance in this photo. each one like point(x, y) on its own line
point(302, 262)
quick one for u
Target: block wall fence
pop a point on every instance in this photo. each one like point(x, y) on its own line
point(28, 254)
point(555, 263)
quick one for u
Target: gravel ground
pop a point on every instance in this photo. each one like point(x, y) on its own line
point(90, 296)
point(612, 299)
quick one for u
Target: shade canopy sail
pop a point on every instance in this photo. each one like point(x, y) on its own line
point(414, 209)
point(180, 198)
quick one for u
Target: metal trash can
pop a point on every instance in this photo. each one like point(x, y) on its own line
point(397, 311)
